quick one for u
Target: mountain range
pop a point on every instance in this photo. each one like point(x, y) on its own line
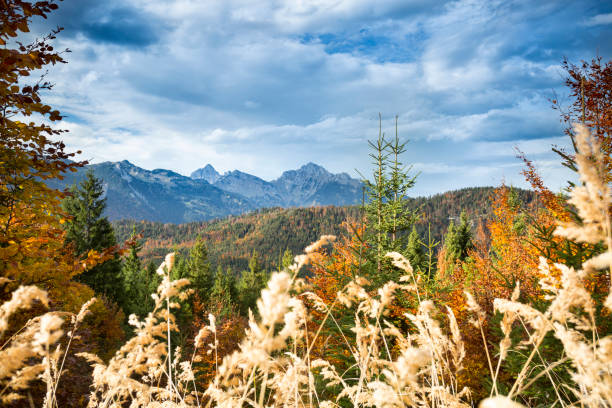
point(166, 196)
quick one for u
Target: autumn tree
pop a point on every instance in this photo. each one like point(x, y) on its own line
point(32, 250)
point(30, 213)
point(31, 237)
point(332, 269)
point(590, 86)
point(519, 236)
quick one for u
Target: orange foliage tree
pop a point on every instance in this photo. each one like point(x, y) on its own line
point(520, 236)
point(330, 271)
point(504, 255)
point(590, 85)
point(31, 238)
point(32, 250)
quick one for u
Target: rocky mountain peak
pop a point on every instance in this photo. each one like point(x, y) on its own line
point(207, 173)
point(313, 168)
point(166, 196)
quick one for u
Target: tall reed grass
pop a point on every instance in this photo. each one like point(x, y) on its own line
point(274, 367)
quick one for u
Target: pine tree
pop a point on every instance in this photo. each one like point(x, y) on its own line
point(89, 230)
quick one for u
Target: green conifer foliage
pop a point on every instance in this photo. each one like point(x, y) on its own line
point(138, 282)
point(431, 262)
point(199, 271)
point(287, 259)
point(152, 279)
point(89, 230)
point(223, 293)
point(415, 252)
point(388, 216)
point(250, 284)
point(376, 192)
point(459, 239)
point(398, 218)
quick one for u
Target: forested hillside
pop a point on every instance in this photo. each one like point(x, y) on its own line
point(231, 240)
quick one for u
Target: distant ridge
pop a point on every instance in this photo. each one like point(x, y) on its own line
point(165, 196)
point(269, 231)
point(309, 185)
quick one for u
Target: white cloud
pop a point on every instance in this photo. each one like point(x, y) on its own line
point(600, 19)
point(236, 84)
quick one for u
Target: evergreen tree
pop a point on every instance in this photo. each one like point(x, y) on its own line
point(415, 252)
point(137, 282)
point(388, 217)
point(431, 263)
point(179, 270)
point(223, 293)
point(152, 279)
point(376, 192)
point(184, 314)
point(459, 239)
point(199, 271)
point(251, 283)
point(398, 217)
point(287, 259)
point(89, 230)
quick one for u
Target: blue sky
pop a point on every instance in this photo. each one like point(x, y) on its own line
point(269, 85)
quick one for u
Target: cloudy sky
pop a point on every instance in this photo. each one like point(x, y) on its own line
point(264, 86)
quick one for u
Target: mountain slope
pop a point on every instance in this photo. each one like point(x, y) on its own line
point(311, 184)
point(159, 195)
point(260, 192)
point(165, 196)
point(230, 241)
